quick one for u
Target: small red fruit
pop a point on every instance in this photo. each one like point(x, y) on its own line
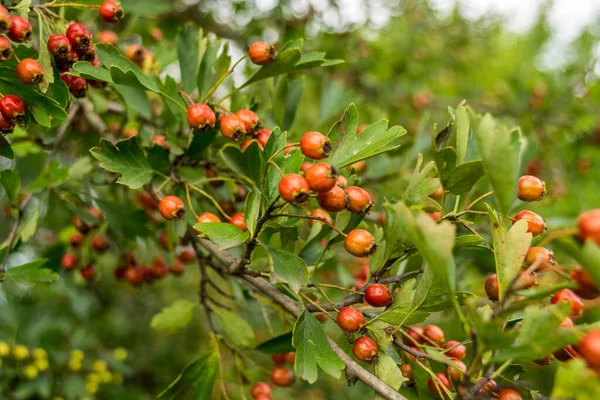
point(434, 333)
point(6, 126)
point(439, 192)
point(88, 273)
point(135, 53)
point(278, 358)
point(6, 49)
point(159, 268)
point(334, 200)
point(239, 220)
point(360, 200)
point(315, 145)
point(88, 54)
point(59, 46)
point(281, 376)
point(12, 108)
point(262, 53)
point(488, 387)
point(177, 268)
point(365, 349)
point(535, 223)
point(171, 208)
point(232, 127)
point(290, 357)
point(589, 226)
point(4, 20)
point(414, 335)
point(456, 374)
point(406, 371)
point(305, 166)
point(160, 141)
point(30, 71)
point(261, 389)
point(130, 132)
point(569, 296)
point(350, 320)
point(207, 217)
point(80, 36)
point(341, 181)
point(249, 120)
point(378, 295)
point(77, 85)
point(134, 275)
point(531, 188)
point(263, 137)
point(589, 348)
point(187, 255)
point(20, 30)
point(586, 289)
point(201, 117)
point(68, 261)
point(76, 240)
point(99, 243)
point(80, 224)
point(545, 256)
point(293, 188)
point(509, 394)
point(321, 177)
point(108, 37)
point(111, 11)
point(360, 243)
point(457, 350)
point(317, 212)
point(437, 386)
point(491, 287)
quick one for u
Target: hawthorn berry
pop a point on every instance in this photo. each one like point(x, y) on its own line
point(76, 84)
point(406, 371)
point(455, 349)
point(341, 181)
point(239, 220)
point(414, 334)
point(360, 243)
point(378, 295)
point(566, 295)
point(334, 200)
point(76, 240)
point(535, 223)
point(187, 255)
point(315, 145)
point(177, 268)
point(434, 333)
point(456, 374)
point(531, 188)
point(359, 200)
point(12, 108)
point(134, 275)
point(80, 36)
point(435, 215)
point(281, 376)
point(30, 71)
point(246, 143)
point(171, 208)
point(278, 358)
point(263, 137)
point(541, 254)
point(232, 127)
point(88, 54)
point(290, 357)
point(135, 53)
point(262, 53)
point(159, 268)
point(59, 46)
point(111, 11)
point(160, 140)
point(566, 353)
point(6, 49)
point(249, 120)
point(99, 243)
point(207, 217)
point(130, 131)
point(108, 37)
point(20, 30)
point(321, 177)
point(589, 226)
point(350, 320)
point(80, 224)
point(305, 166)
point(68, 261)
point(439, 192)
point(317, 212)
point(491, 287)
point(509, 394)
point(293, 188)
point(4, 20)
point(88, 272)
point(365, 349)
point(586, 288)
point(201, 117)
point(589, 347)
point(261, 389)
point(437, 386)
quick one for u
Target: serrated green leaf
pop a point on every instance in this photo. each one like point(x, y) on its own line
point(458, 179)
point(195, 381)
point(135, 99)
point(288, 268)
point(127, 159)
point(174, 318)
point(223, 234)
point(423, 183)
point(252, 210)
point(44, 57)
point(52, 175)
point(88, 71)
point(122, 70)
point(32, 272)
point(11, 182)
point(188, 50)
point(213, 68)
point(249, 163)
point(387, 370)
point(402, 311)
point(235, 329)
point(278, 345)
point(574, 380)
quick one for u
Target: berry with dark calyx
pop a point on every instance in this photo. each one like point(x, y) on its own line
point(535, 223)
point(147, 274)
point(315, 145)
point(531, 188)
point(566, 295)
point(160, 140)
point(541, 254)
point(321, 177)
point(6, 50)
point(262, 53)
point(566, 353)
point(491, 287)
point(350, 320)
point(12, 108)
point(589, 348)
point(177, 268)
point(260, 389)
point(108, 37)
point(414, 335)
point(6, 126)
point(365, 349)
point(68, 261)
point(589, 226)
point(187, 255)
point(455, 349)
point(434, 333)
point(5, 22)
point(249, 120)
point(586, 288)
point(359, 200)
point(317, 212)
point(80, 36)
point(201, 117)
point(378, 295)
point(334, 200)
point(135, 53)
point(360, 243)
point(80, 224)
point(30, 72)
point(88, 272)
point(99, 243)
point(207, 217)
point(20, 30)
point(509, 394)
point(59, 46)
point(76, 84)
point(65, 64)
point(456, 374)
point(406, 371)
point(436, 386)
point(544, 361)
point(282, 377)
point(111, 11)
point(76, 240)
point(263, 137)
point(88, 54)
point(239, 220)
point(171, 208)
point(134, 275)
point(232, 127)
point(293, 188)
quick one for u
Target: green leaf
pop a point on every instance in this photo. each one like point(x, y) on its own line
point(200, 142)
point(11, 182)
point(188, 50)
point(22, 8)
point(288, 268)
point(53, 175)
point(468, 241)
point(32, 272)
point(30, 221)
point(213, 68)
point(458, 179)
point(278, 345)
point(195, 381)
point(135, 99)
point(223, 234)
point(350, 147)
point(127, 159)
point(403, 311)
point(335, 97)
point(387, 370)
point(5, 150)
point(510, 248)
point(312, 349)
point(423, 183)
point(289, 93)
point(174, 318)
point(44, 58)
point(574, 380)
point(81, 168)
point(396, 240)
point(235, 328)
point(158, 158)
point(252, 210)
point(88, 71)
point(590, 260)
point(463, 129)
point(122, 70)
point(127, 221)
point(249, 163)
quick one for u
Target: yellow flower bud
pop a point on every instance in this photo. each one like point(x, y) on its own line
point(39, 353)
point(91, 387)
point(30, 371)
point(99, 366)
point(77, 355)
point(74, 365)
point(4, 349)
point(41, 364)
point(20, 352)
point(120, 353)
point(93, 377)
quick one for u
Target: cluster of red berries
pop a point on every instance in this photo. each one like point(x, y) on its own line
point(280, 376)
point(136, 274)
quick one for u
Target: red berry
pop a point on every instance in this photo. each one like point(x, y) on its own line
point(130, 132)
point(249, 120)
point(262, 53)
point(59, 46)
point(334, 200)
point(315, 145)
point(360, 243)
point(566, 353)
point(99, 243)
point(434, 333)
point(160, 141)
point(341, 181)
point(290, 357)
point(108, 37)
point(239, 220)
point(12, 108)
point(281, 376)
point(260, 389)
point(509, 394)
point(4, 20)
point(317, 212)
point(232, 127)
point(30, 71)
point(159, 268)
point(439, 192)
point(76, 240)
point(201, 117)
point(88, 54)
point(80, 36)
point(545, 256)
point(437, 386)
point(278, 358)
point(177, 268)
point(88, 273)
point(134, 275)
point(535, 224)
point(80, 224)
point(305, 166)
point(569, 296)
point(148, 201)
point(68, 261)
point(378, 295)
point(531, 188)
point(406, 371)
point(589, 348)
point(294, 189)
point(6, 126)
point(414, 335)
point(491, 287)
point(586, 289)
point(111, 11)
point(359, 200)
point(187, 255)
point(350, 320)
point(456, 374)
point(147, 274)
point(589, 226)
point(207, 217)
point(321, 177)
point(171, 208)
point(6, 49)
point(457, 350)
point(135, 53)
point(263, 137)
point(77, 85)
point(365, 349)
point(20, 30)
point(246, 143)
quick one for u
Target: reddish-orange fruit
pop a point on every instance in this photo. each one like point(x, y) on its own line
point(239, 220)
point(317, 212)
point(545, 257)
point(80, 224)
point(130, 132)
point(187, 255)
point(249, 120)
point(207, 217)
point(290, 357)
point(201, 117)
point(4, 20)
point(111, 11)
point(360, 243)
point(171, 208)
point(589, 348)
point(491, 287)
point(334, 200)
point(160, 141)
point(414, 335)
point(350, 320)
point(88, 272)
point(76, 240)
point(232, 127)
point(281, 376)
point(263, 137)
point(437, 386)
point(434, 333)
point(456, 374)
point(246, 143)
point(278, 358)
point(365, 349)
point(99, 243)
point(455, 349)
point(406, 371)
point(531, 188)
point(30, 71)
point(378, 295)
point(20, 30)
point(134, 275)
point(488, 387)
point(68, 261)
point(566, 353)
point(6, 49)
point(566, 295)
point(135, 53)
point(159, 268)
point(59, 46)
point(435, 215)
point(80, 36)
point(108, 37)
point(586, 289)
point(6, 126)
point(315, 145)
point(589, 226)
point(509, 394)
point(305, 166)
point(148, 201)
point(321, 177)
point(293, 188)
point(535, 223)
point(341, 181)
point(260, 389)
point(13, 108)
point(177, 268)
point(262, 53)
point(359, 200)
point(439, 192)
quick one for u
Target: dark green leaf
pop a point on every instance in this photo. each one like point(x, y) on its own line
point(423, 183)
point(52, 175)
point(87, 71)
point(223, 234)
point(235, 329)
point(288, 268)
point(122, 70)
point(195, 381)
point(127, 159)
point(200, 142)
point(127, 221)
point(5, 149)
point(249, 163)
point(11, 182)
point(188, 50)
point(278, 345)
point(575, 380)
point(458, 179)
point(135, 99)
point(252, 210)
point(387, 370)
